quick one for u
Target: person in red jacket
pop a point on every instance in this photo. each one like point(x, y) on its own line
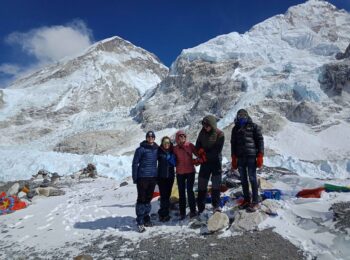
point(247, 151)
point(185, 173)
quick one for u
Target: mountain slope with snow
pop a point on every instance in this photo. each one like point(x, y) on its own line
point(279, 71)
point(283, 70)
point(92, 92)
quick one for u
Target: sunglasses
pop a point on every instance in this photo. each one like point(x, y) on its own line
point(151, 136)
point(182, 136)
point(242, 116)
point(204, 124)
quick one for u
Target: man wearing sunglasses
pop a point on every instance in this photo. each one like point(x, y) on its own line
point(209, 144)
point(247, 150)
point(144, 174)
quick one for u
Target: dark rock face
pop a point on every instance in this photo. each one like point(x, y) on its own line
point(304, 112)
point(345, 55)
point(335, 78)
point(192, 90)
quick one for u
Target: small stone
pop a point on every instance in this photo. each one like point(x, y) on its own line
point(123, 184)
point(195, 224)
point(83, 257)
point(56, 192)
point(31, 194)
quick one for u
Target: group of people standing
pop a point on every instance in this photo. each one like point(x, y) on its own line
point(153, 164)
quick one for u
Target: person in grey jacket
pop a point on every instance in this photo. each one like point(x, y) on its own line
point(144, 175)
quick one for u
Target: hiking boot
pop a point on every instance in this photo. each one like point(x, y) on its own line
point(141, 228)
point(166, 218)
point(245, 204)
point(182, 217)
point(217, 209)
point(253, 207)
point(193, 214)
point(148, 224)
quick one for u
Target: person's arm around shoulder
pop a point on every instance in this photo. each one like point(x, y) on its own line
point(234, 165)
point(220, 141)
point(135, 164)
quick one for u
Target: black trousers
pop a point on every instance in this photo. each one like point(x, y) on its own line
point(185, 183)
point(145, 189)
point(165, 186)
point(206, 171)
point(247, 168)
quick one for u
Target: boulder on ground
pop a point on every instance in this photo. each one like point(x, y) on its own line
point(248, 221)
point(49, 191)
point(13, 190)
point(218, 221)
point(270, 207)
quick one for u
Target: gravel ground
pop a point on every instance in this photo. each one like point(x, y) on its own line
point(264, 244)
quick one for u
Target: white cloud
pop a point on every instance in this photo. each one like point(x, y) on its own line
point(50, 44)
point(9, 69)
point(46, 45)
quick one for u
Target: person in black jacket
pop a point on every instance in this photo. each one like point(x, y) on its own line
point(144, 174)
point(247, 151)
point(166, 176)
point(209, 144)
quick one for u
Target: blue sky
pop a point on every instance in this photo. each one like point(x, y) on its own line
point(34, 33)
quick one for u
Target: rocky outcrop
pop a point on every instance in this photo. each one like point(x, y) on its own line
point(90, 142)
point(94, 142)
point(335, 78)
point(305, 112)
point(191, 90)
point(345, 55)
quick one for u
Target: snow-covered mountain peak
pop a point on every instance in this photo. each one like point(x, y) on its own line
point(277, 70)
point(117, 44)
point(94, 90)
point(316, 26)
point(111, 51)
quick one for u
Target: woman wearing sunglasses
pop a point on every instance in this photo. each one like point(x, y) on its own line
point(166, 176)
